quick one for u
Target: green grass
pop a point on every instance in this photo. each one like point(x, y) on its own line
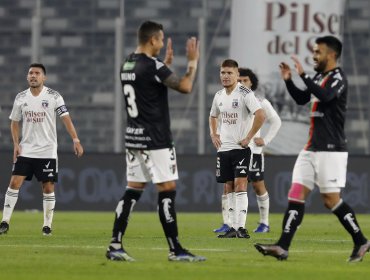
point(76, 249)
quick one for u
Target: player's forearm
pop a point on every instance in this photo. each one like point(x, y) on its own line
point(212, 125)
point(187, 81)
point(70, 127)
point(275, 124)
point(14, 128)
point(259, 118)
point(301, 97)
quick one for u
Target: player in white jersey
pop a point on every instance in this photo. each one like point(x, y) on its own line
point(232, 105)
point(36, 153)
point(256, 167)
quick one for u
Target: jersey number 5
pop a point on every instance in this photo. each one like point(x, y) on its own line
point(129, 93)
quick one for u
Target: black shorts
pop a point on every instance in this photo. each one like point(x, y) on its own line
point(256, 168)
point(232, 164)
point(44, 169)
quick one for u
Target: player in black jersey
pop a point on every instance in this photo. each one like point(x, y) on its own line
point(150, 153)
point(323, 161)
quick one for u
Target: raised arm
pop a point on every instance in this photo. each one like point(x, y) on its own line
point(301, 97)
point(185, 83)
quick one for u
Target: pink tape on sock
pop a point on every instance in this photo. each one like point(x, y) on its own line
point(296, 192)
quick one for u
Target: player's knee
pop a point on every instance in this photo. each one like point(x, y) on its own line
point(296, 193)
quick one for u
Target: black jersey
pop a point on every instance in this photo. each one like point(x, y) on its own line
point(328, 95)
point(146, 98)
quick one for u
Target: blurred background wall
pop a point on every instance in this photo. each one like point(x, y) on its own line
point(76, 40)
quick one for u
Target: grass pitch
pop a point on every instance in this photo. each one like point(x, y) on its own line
point(77, 247)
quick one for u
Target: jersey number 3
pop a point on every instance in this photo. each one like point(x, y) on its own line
point(129, 93)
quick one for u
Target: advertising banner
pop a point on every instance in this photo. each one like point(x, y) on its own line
point(265, 33)
point(96, 182)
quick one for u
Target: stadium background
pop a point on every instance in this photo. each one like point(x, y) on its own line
point(77, 44)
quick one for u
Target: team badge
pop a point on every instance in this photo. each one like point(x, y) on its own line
point(45, 104)
point(235, 103)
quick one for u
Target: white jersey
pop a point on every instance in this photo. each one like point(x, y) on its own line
point(38, 114)
point(233, 112)
point(272, 118)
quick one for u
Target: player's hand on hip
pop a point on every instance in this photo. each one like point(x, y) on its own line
point(245, 142)
point(259, 141)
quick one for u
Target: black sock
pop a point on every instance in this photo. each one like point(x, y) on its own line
point(123, 211)
point(347, 218)
point(167, 216)
point(292, 219)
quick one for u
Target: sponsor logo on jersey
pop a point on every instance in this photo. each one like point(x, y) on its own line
point(45, 104)
point(229, 118)
point(128, 65)
point(34, 117)
point(135, 131)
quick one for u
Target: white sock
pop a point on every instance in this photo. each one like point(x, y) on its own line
point(225, 212)
point(231, 209)
point(48, 205)
point(241, 208)
point(11, 198)
point(263, 202)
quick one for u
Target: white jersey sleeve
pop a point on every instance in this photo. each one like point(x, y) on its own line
point(273, 119)
point(251, 101)
point(16, 114)
point(215, 110)
point(61, 108)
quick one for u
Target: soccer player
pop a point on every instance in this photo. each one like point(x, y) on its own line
point(232, 105)
point(150, 152)
point(249, 79)
point(323, 161)
point(36, 154)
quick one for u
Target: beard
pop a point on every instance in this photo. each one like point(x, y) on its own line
point(320, 66)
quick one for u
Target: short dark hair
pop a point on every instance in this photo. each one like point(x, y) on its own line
point(146, 30)
point(332, 42)
point(246, 72)
point(230, 63)
point(38, 65)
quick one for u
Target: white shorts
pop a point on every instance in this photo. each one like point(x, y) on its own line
point(328, 170)
point(158, 166)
